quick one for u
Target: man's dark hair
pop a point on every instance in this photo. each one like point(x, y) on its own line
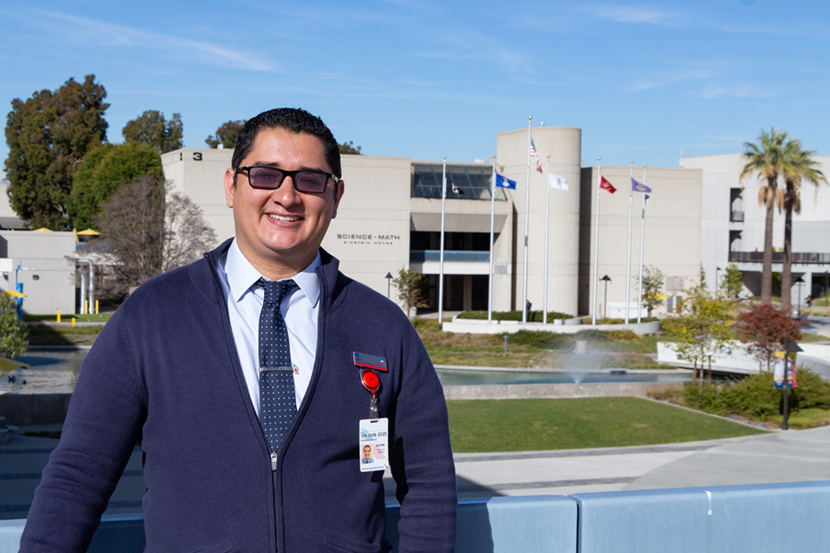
point(294, 120)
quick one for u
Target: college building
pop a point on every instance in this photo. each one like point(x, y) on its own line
point(699, 214)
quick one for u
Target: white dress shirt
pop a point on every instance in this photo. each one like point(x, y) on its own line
point(299, 309)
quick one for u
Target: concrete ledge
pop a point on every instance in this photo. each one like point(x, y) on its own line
point(762, 518)
point(758, 518)
point(29, 409)
point(526, 391)
point(476, 326)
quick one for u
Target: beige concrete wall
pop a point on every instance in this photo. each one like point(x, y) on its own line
point(198, 173)
point(563, 145)
point(46, 254)
point(672, 229)
point(370, 235)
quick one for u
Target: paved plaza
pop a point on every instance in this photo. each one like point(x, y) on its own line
point(791, 456)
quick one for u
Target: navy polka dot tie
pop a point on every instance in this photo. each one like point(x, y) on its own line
point(277, 403)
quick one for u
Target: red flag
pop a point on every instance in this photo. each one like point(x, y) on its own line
point(605, 185)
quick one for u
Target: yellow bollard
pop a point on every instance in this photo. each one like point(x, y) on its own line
point(73, 321)
point(86, 307)
point(96, 307)
point(59, 315)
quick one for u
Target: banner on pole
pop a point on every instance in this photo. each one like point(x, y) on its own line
point(778, 373)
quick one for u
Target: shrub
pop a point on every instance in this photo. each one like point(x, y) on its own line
point(537, 339)
point(756, 396)
point(532, 316)
point(705, 398)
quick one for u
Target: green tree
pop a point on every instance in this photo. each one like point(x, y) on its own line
point(652, 287)
point(102, 172)
point(733, 281)
point(13, 333)
point(408, 284)
point(766, 159)
point(48, 136)
point(799, 166)
point(225, 135)
point(349, 148)
point(704, 327)
point(152, 128)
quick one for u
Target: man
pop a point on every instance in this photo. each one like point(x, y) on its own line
point(367, 454)
point(177, 369)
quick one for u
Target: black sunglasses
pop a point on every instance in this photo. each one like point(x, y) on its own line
point(308, 181)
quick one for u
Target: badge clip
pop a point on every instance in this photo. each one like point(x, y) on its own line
point(371, 382)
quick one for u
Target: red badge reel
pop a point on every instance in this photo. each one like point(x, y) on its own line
point(371, 382)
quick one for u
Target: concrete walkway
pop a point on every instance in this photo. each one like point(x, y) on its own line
point(792, 456)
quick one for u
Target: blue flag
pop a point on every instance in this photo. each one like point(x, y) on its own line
point(504, 182)
point(639, 187)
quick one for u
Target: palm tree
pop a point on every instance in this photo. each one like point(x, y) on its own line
point(766, 159)
point(798, 166)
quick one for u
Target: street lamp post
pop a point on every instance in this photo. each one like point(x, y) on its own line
point(388, 285)
point(607, 279)
point(717, 270)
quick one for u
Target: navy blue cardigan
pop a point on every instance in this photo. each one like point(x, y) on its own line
point(165, 373)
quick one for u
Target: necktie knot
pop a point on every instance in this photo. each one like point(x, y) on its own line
point(275, 291)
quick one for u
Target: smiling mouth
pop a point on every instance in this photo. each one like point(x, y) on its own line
point(283, 217)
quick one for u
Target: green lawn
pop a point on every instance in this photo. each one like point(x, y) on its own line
point(67, 318)
point(546, 424)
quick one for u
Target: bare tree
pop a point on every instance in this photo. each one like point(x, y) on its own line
point(144, 235)
point(186, 234)
point(132, 230)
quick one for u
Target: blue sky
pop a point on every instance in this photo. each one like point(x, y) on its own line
point(425, 79)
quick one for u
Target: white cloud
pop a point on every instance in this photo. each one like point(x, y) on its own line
point(110, 34)
point(636, 14)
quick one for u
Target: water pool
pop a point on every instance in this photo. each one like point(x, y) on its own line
point(56, 371)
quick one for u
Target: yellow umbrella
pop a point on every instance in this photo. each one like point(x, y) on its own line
point(14, 294)
point(89, 232)
point(10, 364)
point(41, 230)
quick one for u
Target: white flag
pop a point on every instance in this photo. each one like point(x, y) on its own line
point(557, 182)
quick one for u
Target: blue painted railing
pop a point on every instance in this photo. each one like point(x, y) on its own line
point(464, 256)
point(762, 518)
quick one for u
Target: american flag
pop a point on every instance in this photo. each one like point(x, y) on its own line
point(534, 154)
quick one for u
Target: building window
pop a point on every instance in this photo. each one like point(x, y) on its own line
point(464, 182)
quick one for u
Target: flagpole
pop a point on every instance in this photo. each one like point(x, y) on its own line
point(527, 222)
point(642, 240)
point(596, 247)
point(628, 256)
point(492, 224)
point(441, 263)
point(547, 235)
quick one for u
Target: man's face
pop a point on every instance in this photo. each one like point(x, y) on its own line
point(279, 231)
point(367, 452)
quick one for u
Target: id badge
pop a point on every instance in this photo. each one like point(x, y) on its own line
point(374, 442)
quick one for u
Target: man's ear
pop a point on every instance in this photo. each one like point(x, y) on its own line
point(337, 195)
point(229, 187)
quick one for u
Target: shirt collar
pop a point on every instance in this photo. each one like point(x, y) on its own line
point(242, 275)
